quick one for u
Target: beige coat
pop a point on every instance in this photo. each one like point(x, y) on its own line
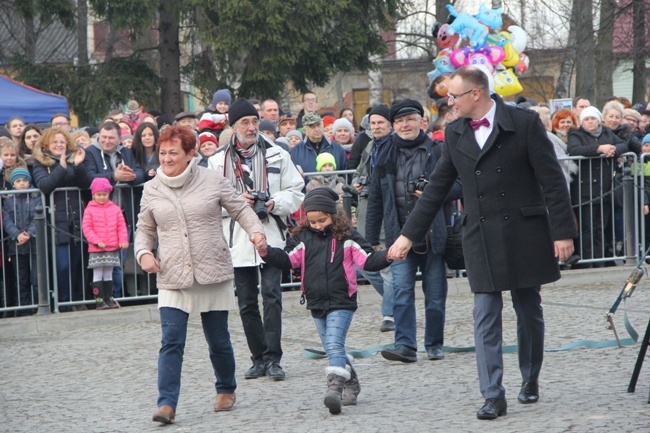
point(189, 228)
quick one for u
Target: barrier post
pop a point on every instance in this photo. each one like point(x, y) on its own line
point(41, 261)
point(629, 215)
point(347, 201)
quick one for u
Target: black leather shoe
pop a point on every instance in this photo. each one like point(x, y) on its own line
point(435, 353)
point(529, 393)
point(274, 371)
point(400, 353)
point(493, 408)
point(257, 370)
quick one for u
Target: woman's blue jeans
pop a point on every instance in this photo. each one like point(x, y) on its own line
point(170, 359)
point(333, 328)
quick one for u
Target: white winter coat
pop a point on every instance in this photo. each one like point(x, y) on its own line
point(285, 188)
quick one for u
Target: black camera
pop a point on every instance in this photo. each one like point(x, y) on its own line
point(363, 180)
point(259, 206)
point(416, 185)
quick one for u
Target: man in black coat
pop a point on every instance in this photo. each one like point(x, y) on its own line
point(402, 166)
point(519, 223)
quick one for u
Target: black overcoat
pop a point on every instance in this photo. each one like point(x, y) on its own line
point(515, 197)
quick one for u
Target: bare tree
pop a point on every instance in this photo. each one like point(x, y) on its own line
point(376, 84)
point(585, 60)
point(604, 55)
point(640, 53)
point(563, 84)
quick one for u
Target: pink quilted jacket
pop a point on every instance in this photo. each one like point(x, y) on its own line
point(104, 223)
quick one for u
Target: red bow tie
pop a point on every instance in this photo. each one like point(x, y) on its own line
point(476, 124)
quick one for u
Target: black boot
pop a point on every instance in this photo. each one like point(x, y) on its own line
point(98, 293)
point(108, 295)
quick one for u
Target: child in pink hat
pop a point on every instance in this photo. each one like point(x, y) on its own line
point(105, 230)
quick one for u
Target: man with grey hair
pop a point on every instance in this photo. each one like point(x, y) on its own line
point(402, 168)
point(267, 179)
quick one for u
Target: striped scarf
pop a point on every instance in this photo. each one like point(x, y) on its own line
point(246, 167)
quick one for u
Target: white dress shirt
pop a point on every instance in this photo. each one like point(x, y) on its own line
point(483, 132)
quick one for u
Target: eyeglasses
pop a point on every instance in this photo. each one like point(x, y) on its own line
point(406, 119)
point(452, 98)
point(631, 119)
point(61, 124)
point(310, 100)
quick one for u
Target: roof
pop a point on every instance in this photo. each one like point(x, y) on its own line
point(28, 103)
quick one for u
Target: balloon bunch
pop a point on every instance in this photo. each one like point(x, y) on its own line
point(478, 40)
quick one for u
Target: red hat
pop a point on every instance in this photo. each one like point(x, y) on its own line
point(328, 120)
point(208, 136)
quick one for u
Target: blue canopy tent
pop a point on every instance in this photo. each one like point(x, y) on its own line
point(30, 104)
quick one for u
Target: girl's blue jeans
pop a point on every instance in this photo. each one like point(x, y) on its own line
point(333, 328)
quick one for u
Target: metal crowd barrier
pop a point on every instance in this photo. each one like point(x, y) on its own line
point(641, 171)
point(130, 282)
point(608, 219)
point(18, 268)
point(624, 237)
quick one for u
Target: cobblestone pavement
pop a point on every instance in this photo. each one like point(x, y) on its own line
point(100, 376)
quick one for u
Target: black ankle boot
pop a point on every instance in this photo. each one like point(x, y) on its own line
point(108, 295)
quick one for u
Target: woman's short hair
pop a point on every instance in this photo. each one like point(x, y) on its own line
point(79, 133)
point(544, 114)
point(48, 137)
point(613, 106)
point(561, 115)
point(182, 133)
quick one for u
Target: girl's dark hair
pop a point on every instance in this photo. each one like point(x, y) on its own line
point(137, 148)
point(354, 118)
point(340, 226)
point(22, 147)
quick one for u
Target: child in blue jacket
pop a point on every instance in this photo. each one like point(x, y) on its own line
point(325, 248)
point(18, 218)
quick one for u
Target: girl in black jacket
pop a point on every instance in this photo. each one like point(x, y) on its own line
point(326, 249)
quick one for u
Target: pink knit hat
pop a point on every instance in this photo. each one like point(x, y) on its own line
point(100, 184)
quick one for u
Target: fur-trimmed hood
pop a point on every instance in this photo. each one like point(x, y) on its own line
point(47, 160)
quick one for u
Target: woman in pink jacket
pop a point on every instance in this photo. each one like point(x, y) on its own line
point(105, 230)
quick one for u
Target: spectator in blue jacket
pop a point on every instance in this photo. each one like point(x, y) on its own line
point(304, 154)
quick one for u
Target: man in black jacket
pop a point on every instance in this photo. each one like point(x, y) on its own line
point(519, 223)
point(109, 159)
point(402, 167)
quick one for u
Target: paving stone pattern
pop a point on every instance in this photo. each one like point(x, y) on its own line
point(98, 374)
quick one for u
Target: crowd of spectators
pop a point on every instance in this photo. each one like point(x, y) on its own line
point(124, 150)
